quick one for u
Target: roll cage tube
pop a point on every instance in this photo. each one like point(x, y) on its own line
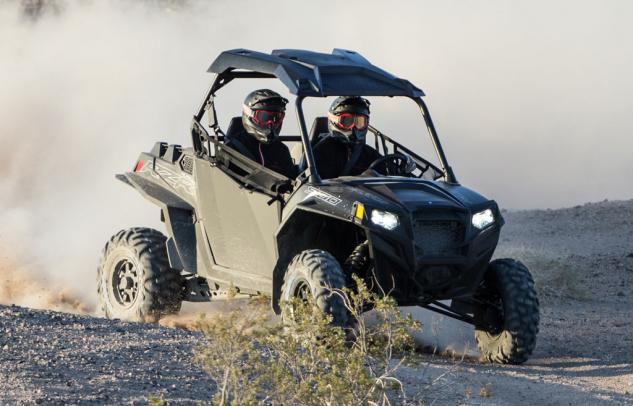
point(305, 140)
point(448, 171)
point(198, 130)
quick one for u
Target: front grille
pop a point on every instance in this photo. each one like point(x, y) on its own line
point(438, 238)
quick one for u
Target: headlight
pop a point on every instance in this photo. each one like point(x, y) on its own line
point(384, 219)
point(483, 219)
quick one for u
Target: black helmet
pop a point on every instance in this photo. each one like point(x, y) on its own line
point(263, 113)
point(349, 116)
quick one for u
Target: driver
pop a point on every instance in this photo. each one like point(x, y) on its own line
point(342, 151)
point(262, 116)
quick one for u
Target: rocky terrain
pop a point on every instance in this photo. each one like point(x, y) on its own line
point(58, 358)
point(582, 259)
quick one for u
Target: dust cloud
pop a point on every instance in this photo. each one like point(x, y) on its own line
point(191, 314)
point(24, 287)
point(532, 101)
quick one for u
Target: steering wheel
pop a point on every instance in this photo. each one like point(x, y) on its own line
point(396, 164)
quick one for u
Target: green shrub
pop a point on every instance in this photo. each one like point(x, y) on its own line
point(255, 360)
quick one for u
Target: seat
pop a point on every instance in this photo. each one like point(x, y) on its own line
point(319, 126)
point(235, 127)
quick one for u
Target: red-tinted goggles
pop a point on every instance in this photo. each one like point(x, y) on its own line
point(348, 121)
point(264, 117)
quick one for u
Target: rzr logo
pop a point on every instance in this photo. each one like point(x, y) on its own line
point(321, 195)
point(177, 180)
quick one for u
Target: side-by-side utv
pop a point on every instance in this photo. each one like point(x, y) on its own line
point(233, 224)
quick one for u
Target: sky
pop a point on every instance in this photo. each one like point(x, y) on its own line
point(532, 100)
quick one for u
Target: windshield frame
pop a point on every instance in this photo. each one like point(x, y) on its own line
point(312, 169)
point(200, 136)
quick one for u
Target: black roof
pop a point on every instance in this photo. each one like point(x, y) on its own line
point(307, 73)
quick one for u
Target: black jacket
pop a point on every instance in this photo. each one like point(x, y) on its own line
point(332, 153)
point(274, 156)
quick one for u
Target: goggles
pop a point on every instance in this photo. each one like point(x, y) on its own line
point(348, 121)
point(264, 117)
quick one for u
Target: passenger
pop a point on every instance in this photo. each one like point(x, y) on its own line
point(262, 116)
point(342, 151)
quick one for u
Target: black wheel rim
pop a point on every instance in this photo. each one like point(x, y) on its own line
point(125, 283)
point(302, 291)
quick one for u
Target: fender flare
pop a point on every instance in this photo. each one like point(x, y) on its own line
point(179, 218)
point(296, 239)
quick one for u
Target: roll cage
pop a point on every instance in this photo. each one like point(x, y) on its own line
point(306, 74)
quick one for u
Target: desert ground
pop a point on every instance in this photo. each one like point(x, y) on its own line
point(582, 260)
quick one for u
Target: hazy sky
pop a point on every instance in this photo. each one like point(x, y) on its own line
point(533, 99)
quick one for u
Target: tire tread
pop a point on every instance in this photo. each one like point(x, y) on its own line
point(517, 341)
point(324, 273)
point(161, 286)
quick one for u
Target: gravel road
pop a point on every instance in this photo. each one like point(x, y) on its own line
point(48, 357)
point(582, 259)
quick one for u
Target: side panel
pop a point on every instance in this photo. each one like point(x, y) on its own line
point(239, 223)
point(166, 185)
point(180, 225)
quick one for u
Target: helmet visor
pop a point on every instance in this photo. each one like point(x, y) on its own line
point(264, 117)
point(348, 121)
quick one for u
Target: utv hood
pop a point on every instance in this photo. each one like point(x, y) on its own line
point(415, 194)
point(403, 196)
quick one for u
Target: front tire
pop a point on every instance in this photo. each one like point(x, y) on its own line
point(317, 273)
point(134, 280)
point(507, 327)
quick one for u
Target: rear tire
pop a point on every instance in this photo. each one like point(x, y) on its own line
point(316, 273)
point(134, 280)
point(507, 335)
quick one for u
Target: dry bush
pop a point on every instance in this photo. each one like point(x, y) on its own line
point(485, 391)
point(562, 280)
point(555, 276)
point(255, 360)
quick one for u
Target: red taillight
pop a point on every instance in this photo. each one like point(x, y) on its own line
point(139, 166)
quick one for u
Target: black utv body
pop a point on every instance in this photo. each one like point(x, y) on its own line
point(234, 224)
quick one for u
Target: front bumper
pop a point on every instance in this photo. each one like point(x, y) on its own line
point(441, 257)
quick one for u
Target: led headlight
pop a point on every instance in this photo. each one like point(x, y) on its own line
point(384, 219)
point(483, 219)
